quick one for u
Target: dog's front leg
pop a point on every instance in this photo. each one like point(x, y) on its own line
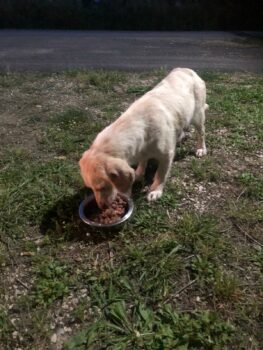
point(140, 170)
point(156, 189)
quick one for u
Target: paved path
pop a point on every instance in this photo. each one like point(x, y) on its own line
point(50, 50)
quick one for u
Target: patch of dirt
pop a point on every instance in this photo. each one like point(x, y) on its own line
point(25, 108)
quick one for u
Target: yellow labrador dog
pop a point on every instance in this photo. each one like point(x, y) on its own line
point(150, 128)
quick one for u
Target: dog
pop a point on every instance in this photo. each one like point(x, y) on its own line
point(149, 129)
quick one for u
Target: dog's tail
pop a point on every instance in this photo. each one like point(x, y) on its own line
point(206, 106)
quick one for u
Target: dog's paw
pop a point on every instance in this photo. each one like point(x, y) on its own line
point(154, 195)
point(201, 152)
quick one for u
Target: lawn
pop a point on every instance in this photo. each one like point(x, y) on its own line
point(184, 272)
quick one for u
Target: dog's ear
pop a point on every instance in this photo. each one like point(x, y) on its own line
point(83, 164)
point(120, 174)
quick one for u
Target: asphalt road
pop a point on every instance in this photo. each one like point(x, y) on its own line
point(55, 50)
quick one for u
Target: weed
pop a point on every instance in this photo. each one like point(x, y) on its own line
point(151, 220)
point(211, 76)
point(79, 311)
point(253, 185)
point(198, 232)
point(140, 90)
point(205, 170)
point(245, 212)
point(69, 119)
point(7, 329)
point(139, 327)
point(202, 268)
point(257, 257)
point(101, 79)
point(52, 283)
point(152, 268)
point(226, 286)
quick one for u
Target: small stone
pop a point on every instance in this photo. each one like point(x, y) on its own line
point(60, 157)
point(77, 259)
point(200, 188)
point(15, 334)
point(27, 253)
point(75, 301)
point(67, 329)
point(54, 338)
point(60, 331)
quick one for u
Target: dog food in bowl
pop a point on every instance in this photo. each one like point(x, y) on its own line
point(109, 215)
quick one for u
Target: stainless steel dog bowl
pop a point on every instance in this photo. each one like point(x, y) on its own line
point(90, 202)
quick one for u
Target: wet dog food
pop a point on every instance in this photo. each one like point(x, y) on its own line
point(109, 215)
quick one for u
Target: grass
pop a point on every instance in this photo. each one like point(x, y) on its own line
point(183, 273)
point(140, 327)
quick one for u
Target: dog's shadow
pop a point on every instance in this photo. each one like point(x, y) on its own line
point(62, 221)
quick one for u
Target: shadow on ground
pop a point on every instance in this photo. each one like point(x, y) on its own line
point(62, 221)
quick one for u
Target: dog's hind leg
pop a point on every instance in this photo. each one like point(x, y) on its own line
point(199, 124)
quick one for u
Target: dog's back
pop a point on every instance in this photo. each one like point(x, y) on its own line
point(164, 111)
point(183, 92)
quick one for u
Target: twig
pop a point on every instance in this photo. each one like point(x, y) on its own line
point(176, 295)
point(22, 283)
point(111, 254)
point(240, 194)
point(96, 260)
point(189, 257)
point(248, 235)
point(251, 285)
point(185, 287)
point(168, 214)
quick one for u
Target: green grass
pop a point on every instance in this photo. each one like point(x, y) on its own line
point(253, 185)
point(52, 280)
point(207, 170)
point(183, 273)
point(139, 327)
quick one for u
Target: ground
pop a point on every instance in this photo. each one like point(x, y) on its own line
point(183, 273)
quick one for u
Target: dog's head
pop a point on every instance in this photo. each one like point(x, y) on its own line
point(106, 176)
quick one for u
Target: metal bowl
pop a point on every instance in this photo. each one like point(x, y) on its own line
point(90, 202)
